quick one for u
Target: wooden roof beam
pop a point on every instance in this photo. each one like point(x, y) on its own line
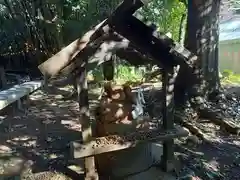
point(59, 61)
point(162, 48)
point(97, 52)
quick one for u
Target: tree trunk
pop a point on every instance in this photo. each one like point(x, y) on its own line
point(201, 39)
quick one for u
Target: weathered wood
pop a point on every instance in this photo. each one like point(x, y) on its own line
point(130, 54)
point(113, 44)
point(117, 142)
point(159, 46)
point(162, 45)
point(84, 117)
point(127, 8)
point(96, 49)
point(137, 48)
point(52, 66)
point(148, 44)
point(15, 93)
point(168, 118)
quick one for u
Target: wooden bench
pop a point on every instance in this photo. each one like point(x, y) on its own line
point(17, 94)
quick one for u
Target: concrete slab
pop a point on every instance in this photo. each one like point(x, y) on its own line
point(157, 151)
point(138, 163)
point(133, 160)
point(152, 174)
point(135, 163)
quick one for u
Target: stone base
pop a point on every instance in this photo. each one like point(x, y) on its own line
point(152, 174)
point(138, 166)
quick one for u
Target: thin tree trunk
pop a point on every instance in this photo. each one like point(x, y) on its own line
point(182, 29)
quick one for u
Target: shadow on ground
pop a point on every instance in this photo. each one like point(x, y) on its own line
point(210, 161)
point(42, 135)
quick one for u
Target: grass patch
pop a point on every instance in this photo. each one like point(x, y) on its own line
point(123, 74)
point(229, 77)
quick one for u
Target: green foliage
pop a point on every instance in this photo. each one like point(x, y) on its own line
point(49, 25)
point(54, 23)
point(234, 4)
point(227, 73)
point(229, 77)
point(97, 74)
point(166, 15)
point(123, 73)
point(128, 73)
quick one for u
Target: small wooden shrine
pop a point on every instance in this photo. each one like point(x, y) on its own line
point(129, 38)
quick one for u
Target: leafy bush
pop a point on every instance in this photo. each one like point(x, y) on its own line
point(123, 73)
point(128, 73)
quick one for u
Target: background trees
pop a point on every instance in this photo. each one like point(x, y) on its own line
point(31, 31)
point(40, 28)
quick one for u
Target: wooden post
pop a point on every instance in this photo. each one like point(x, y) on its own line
point(3, 79)
point(108, 68)
point(20, 104)
point(45, 83)
point(84, 117)
point(168, 119)
point(26, 104)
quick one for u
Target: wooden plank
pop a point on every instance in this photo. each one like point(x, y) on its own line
point(56, 63)
point(169, 78)
point(147, 45)
point(93, 49)
point(53, 65)
point(163, 49)
point(127, 8)
point(18, 91)
point(114, 44)
point(128, 50)
point(116, 142)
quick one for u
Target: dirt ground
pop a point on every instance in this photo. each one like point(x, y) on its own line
point(35, 144)
point(40, 137)
point(218, 160)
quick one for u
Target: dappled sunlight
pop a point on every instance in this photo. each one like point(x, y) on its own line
point(18, 91)
point(63, 124)
point(50, 68)
point(50, 124)
point(208, 161)
point(206, 32)
point(23, 141)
